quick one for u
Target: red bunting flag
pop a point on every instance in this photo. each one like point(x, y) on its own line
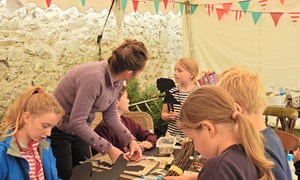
point(166, 3)
point(48, 3)
point(220, 13)
point(210, 8)
point(263, 3)
point(135, 5)
point(294, 16)
point(282, 1)
point(238, 15)
point(276, 16)
point(227, 7)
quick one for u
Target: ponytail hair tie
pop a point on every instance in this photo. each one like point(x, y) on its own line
point(38, 90)
point(234, 114)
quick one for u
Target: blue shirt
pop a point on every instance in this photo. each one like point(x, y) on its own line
point(275, 152)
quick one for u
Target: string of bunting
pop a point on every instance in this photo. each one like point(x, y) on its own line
point(220, 9)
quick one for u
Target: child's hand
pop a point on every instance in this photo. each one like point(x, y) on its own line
point(146, 145)
point(296, 155)
point(173, 115)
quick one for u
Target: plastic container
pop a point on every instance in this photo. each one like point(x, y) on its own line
point(166, 145)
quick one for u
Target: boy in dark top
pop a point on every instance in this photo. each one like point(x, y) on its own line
point(247, 91)
point(145, 138)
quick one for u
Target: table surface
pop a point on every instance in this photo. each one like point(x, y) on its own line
point(150, 154)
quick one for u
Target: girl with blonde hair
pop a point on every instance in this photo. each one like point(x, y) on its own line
point(25, 151)
point(186, 73)
point(234, 149)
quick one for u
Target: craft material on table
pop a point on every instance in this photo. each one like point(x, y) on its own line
point(139, 169)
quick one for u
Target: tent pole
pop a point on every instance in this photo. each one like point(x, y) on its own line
point(188, 15)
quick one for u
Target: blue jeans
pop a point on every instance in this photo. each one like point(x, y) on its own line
point(68, 150)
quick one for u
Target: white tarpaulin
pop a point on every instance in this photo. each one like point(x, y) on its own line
point(220, 35)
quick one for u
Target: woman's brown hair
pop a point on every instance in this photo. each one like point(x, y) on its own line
point(131, 55)
point(215, 104)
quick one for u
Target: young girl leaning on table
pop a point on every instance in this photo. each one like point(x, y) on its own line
point(25, 151)
point(186, 73)
point(234, 149)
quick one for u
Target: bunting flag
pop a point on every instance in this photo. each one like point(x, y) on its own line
point(244, 5)
point(156, 5)
point(223, 8)
point(255, 16)
point(193, 8)
point(48, 3)
point(263, 3)
point(276, 16)
point(166, 3)
point(124, 4)
point(210, 8)
point(227, 7)
point(83, 2)
point(220, 13)
point(294, 16)
point(135, 5)
point(181, 8)
point(238, 15)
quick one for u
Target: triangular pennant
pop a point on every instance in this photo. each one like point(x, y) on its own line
point(83, 2)
point(255, 16)
point(124, 4)
point(238, 15)
point(276, 16)
point(166, 3)
point(294, 16)
point(135, 5)
point(227, 7)
point(263, 3)
point(282, 1)
point(156, 5)
point(193, 8)
point(48, 3)
point(210, 8)
point(181, 8)
point(244, 5)
point(220, 13)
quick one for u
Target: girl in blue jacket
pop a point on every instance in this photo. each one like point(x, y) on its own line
point(25, 151)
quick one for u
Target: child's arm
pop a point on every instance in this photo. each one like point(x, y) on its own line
point(184, 177)
point(166, 115)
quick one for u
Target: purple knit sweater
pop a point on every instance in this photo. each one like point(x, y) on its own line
point(84, 90)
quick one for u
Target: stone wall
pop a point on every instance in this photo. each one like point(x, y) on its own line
point(37, 47)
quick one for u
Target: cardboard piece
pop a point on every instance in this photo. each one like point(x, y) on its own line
point(85, 171)
point(138, 169)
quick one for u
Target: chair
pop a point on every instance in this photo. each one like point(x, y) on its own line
point(286, 116)
point(142, 118)
point(289, 141)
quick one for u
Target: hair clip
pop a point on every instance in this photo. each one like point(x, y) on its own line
point(39, 90)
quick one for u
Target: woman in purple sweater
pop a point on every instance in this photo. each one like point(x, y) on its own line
point(145, 138)
point(90, 88)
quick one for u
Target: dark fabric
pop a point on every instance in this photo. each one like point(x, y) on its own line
point(297, 169)
point(137, 131)
point(68, 150)
point(275, 152)
point(232, 164)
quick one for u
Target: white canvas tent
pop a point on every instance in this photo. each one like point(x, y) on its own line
point(220, 38)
